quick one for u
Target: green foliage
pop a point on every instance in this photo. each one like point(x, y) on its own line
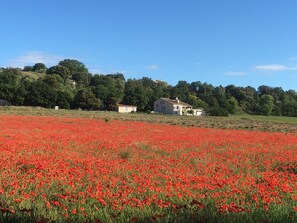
point(191, 112)
point(64, 99)
point(218, 111)
point(232, 105)
point(11, 89)
point(82, 79)
point(109, 89)
point(9, 76)
point(41, 94)
point(137, 94)
point(266, 104)
point(54, 81)
point(25, 87)
point(181, 90)
point(85, 99)
point(60, 70)
point(39, 67)
point(28, 68)
point(74, 66)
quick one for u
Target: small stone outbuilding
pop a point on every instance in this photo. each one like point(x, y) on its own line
point(126, 108)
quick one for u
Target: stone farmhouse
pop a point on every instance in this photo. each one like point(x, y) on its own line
point(176, 107)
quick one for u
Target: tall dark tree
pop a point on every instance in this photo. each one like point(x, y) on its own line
point(232, 105)
point(85, 99)
point(64, 99)
point(137, 94)
point(181, 90)
point(39, 67)
point(60, 70)
point(266, 104)
point(41, 94)
point(10, 89)
point(82, 79)
point(154, 90)
point(109, 89)
point(74, 66)
point(28, 68)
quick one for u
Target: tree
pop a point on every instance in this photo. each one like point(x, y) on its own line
point(85, 99)
point(117, 76)
point(266, 104)
point(247, 97)
point(74, 66)
point(109, 89)
point(8, 92)
point(137, 94)
point(219, 94)
point(217, 111)
point(55, 81)
point(28, 68)
point(62, 71)
point(9, 86)
point(41, 94)
point(289, 103)
point(289, 108)
point(263, 89)
point(64, 99)
point(181, 90)
point(82, 79)
point(39, 67)
point(22, 90)
point(154, 90)
point(232, 105)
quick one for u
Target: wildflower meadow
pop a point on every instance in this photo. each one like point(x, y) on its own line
point(57, 169)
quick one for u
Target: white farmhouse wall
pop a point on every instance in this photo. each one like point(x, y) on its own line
point(126, 109)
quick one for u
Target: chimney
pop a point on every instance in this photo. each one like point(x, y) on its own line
point(177, 100)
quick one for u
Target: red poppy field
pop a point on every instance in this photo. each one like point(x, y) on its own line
point(57, 169)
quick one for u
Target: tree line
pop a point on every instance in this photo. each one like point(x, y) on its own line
point(70, 85)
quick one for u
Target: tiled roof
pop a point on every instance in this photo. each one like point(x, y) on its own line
point(175, 102)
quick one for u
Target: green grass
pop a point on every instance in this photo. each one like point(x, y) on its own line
point(277, 119)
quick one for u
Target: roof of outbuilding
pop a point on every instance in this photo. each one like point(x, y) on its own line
point(122, 105)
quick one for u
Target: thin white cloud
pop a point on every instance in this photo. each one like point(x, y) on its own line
point(293, 58)
point(152, 67)
point(95, 71)
point(235, 73)
point(275, 67)
point(105, 72)
point(200, 63)
point(32, 57)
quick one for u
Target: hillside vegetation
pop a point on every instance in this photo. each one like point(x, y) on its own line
point(33, 75)
point(70, 85)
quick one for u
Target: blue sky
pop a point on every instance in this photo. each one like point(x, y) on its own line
point(221, 42)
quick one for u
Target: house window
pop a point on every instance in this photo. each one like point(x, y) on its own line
point(126, 108)
point(177, 107)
